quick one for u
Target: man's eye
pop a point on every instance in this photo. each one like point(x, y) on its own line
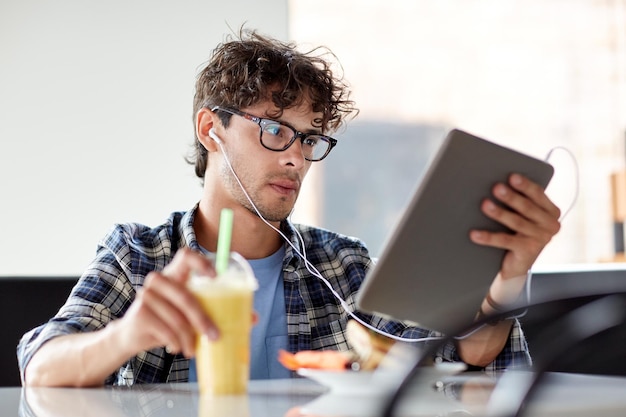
point(310, 141)
point(272, 129)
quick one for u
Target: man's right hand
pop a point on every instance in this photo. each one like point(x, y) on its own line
point(165, 312)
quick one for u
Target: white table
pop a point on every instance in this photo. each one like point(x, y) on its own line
point(466, 394)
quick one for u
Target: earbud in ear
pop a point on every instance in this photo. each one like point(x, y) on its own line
point(214, 136)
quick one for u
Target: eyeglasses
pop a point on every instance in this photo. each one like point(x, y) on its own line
point(277, 136)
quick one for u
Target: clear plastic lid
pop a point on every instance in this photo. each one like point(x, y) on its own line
point(239, 274)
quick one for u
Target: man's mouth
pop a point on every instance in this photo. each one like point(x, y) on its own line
point(285, 187)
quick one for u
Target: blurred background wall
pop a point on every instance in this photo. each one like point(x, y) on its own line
point(95, 110)
point(531, 75)
point(96, 117)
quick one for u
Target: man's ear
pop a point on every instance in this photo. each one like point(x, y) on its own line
point(205, 119)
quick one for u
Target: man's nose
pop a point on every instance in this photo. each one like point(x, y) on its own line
point(294, 155)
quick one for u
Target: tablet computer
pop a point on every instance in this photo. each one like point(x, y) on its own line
point(429, 271)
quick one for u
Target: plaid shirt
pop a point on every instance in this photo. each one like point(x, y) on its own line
point(315, 318)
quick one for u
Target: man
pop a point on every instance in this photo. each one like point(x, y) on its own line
point(262, 113)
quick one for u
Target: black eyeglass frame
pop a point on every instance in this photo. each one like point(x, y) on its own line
point(297, 134)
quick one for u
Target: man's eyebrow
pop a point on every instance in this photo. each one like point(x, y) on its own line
point(312, 130)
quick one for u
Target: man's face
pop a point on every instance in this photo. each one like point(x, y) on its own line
point(271, 179)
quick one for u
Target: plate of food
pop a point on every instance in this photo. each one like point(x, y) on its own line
point(375, 365)
point(348, 382)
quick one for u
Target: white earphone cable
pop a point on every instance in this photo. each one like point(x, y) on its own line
point(576, 177)
point(311, 268)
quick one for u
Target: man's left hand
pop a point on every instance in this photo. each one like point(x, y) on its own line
point(531, 216)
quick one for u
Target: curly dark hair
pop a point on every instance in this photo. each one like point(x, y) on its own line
point(253, 68)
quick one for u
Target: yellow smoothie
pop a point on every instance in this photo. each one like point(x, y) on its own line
point(223, 366)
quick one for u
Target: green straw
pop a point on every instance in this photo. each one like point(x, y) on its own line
point(223, 241)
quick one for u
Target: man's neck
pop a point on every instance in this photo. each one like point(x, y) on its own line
point(251, 237)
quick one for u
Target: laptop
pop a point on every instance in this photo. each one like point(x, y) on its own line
point(429, 271)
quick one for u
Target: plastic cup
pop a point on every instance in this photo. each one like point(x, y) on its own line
point(223, 366)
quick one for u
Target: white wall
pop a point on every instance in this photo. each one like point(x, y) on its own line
point(95, 117)
point(530, 74)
